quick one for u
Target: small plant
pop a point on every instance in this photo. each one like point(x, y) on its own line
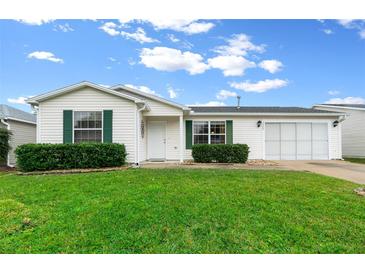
point(5, 136)
point(32, 157)
point(205, 153)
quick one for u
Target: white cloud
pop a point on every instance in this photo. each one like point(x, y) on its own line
point(224, 94)
point(20, 100)
point(362, 34)
point(64, 28)
point(108, 67)
point(140, 36)
point(169, 59)
point(271, 66)
point(328, 31)
point(35, 22)
point(172, 93)
point(45, 55)
point(333, 92)
point(143, 89)
point(354, 24)
point(210, 104)
point(260, 86)
point(231, 65)
point(112, 59)
point(110, 28)
point(239, 44)
point(173, 38)
point(347, 100)
point(182, 25)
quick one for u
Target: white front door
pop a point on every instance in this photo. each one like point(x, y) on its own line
point(156, 140)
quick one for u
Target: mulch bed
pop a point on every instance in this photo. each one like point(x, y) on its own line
point(70, 171)
point(6, 169)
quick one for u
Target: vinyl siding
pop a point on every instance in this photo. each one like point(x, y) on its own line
point(245, 131)
point(23, 133)
point(157, 108)
point(88, 99)
point(353, 131)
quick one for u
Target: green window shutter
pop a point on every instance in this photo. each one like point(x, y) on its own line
point(67, 126)
point(188, 134)
point(229, 132)
point(107, 126)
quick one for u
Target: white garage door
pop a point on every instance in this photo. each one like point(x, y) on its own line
point(296, 141)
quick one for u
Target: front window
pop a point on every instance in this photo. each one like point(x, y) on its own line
point(209, 132)
point(87, 126)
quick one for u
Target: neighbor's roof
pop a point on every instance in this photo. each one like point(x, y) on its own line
point(259, 110)
point(345, 105)
point(7, 112)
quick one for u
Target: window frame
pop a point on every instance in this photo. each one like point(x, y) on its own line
point(73, 124)
point(209, 131)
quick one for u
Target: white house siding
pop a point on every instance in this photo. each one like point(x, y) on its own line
point(172, 136)
point(23, 133)
point(89, 99)
point(353, 131)
point(157, 108)
point(245, 131)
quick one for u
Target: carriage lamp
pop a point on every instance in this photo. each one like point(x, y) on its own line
point(335, 123)
point(259, 122)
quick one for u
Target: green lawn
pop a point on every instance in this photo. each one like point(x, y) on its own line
point(356, 160)
point(180, 211)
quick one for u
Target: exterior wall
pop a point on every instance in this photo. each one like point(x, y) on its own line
point(157, 108)
point(172, 136)
point(245, 131)
point(23, 133)
point(353, 131)
point(50, 116)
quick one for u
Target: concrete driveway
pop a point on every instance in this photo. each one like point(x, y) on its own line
point(340, 169)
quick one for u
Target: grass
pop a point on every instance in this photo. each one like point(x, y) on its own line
point(356, 160)
point(180, 211)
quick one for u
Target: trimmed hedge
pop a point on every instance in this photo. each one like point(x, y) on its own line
point(31, 157)
point(205, 153)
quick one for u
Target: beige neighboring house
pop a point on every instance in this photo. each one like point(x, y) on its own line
point(353, 128)
point(22, 125)
point(155, 129)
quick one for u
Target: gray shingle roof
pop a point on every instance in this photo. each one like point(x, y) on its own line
point(245, 109)
point(346, 105)
point(7, 112)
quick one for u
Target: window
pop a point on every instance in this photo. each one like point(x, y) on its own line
point(87, 126)
point(206, 132)
point(218, 132)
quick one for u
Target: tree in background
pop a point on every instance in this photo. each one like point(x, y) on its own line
point(5, 136)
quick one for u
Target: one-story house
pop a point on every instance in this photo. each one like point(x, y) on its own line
point(155, 129)
point(353, 128)
point(22, 126)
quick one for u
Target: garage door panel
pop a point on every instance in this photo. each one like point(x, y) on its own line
point(301, 141)
point(304, 150)
point(272, 132)
point(272, 149)
point(304, 131)
point(288, 132)
point(288, 150)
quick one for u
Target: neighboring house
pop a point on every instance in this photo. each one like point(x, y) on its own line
point(353, 128)
point(22, 125)
point(153, 128)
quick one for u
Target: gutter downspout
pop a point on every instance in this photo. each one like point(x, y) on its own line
point(8, 128)
point(138, 132)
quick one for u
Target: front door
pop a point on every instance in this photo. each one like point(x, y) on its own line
point(156, 140)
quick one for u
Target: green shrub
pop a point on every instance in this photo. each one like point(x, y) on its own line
point(4, 144)
point(32, 157)
point(205, 153)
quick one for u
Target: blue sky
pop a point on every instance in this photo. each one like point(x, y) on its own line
point(266, 62)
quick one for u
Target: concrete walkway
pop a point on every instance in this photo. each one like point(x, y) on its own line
point(340, 169)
